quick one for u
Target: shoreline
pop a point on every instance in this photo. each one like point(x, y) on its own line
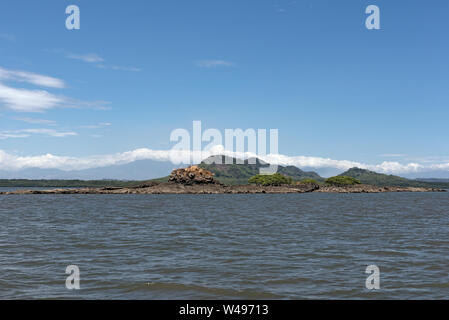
point(177, 188)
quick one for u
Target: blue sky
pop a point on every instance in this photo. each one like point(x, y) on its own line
point(137, 70)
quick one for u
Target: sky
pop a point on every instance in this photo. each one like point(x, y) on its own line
point(112, 92)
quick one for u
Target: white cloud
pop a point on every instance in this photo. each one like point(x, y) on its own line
point(214, 63)
point(25, 100)
point(49, 161)
point(393, 155)
point(89, 58)
point(97, 60)
point(119, 68)
point(317, 162)
point(29, 77)
point(4, 135)
point(34, 100)
point(36, 121)
point(97, 126)
point(24, 133)
point(49, 132)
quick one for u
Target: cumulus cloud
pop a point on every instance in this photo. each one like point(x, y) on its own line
point(213, 63)
point(317, 162)
point(49, 161)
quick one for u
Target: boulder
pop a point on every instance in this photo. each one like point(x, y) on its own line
point(192, 175)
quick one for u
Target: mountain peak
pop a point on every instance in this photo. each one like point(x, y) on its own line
point(222, 159)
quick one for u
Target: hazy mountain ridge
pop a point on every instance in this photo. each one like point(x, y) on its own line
point(137, 170)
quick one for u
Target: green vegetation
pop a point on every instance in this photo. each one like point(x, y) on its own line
point(342, 181)
point(309, 181)
point(270, 180)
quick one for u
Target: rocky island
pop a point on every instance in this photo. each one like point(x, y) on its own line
point(196, 180)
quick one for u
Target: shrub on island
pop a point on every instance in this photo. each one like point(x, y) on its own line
point(270, 180)
point(342, 181)
point(308, 181)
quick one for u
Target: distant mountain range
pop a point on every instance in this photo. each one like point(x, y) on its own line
point(137, 170)
point(233, 173)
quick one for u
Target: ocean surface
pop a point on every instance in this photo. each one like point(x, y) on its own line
point(292, 246)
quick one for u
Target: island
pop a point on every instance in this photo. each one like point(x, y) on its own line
point(197, 180)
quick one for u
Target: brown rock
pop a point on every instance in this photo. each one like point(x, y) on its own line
point(192, 175)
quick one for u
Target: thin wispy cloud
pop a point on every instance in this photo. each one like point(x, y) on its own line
point(93, 59)
point(50, 132)
point(213, 63)
point(32, 78)
point(119, 68)
point(393, 155)
point(36, 121)
point(96, 126)
point(24, 133)
point(94, 105)
point(5, 135)
point(97, 61)
point(37, 100)
point(89, 58)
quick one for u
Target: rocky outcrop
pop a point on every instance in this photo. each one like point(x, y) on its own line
point(213, 188)
point(363, 188)
point(192, 175)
